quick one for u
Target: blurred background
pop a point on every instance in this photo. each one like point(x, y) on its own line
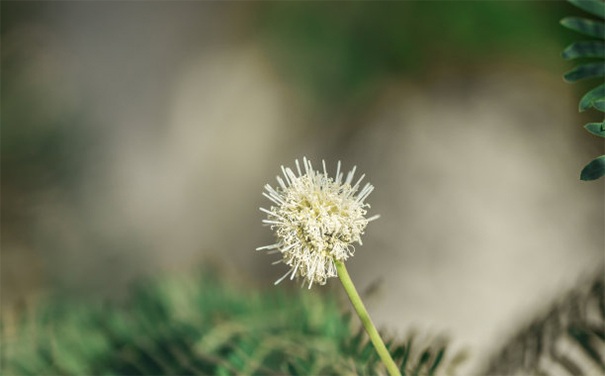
point(137, 137)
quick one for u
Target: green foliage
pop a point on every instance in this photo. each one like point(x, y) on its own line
point(594, 169)
point(593, 96)
point(599, 105)
point(339, 54)
point(44, 142)
point(596, 128)
point(200, 326)
point(589, 69)
point(595, 7)
point(196, 325)
point(584, 71)
point(585, 26)
point(584, 49)
point(568, 338)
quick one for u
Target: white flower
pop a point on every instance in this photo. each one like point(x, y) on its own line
point(316, 219)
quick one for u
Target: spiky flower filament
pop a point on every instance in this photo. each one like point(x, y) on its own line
point(316, 219)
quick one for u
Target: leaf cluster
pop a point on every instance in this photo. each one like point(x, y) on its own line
point(200, 326)
point(568, 338)
point(591, 54)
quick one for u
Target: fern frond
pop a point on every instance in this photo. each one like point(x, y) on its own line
point(569, 338)
point(584, 49)
point(595, 7)
point(592, 96)
point(590, 49)
point(586, 26)
point(585, 71)
point(199, 326)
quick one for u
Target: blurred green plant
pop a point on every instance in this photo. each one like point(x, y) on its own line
point(587, 51)
point(568, 338)
point(44, 140)
point(197, 325)
point(338, 54)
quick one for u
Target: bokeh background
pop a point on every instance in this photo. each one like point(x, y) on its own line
point(137, 136)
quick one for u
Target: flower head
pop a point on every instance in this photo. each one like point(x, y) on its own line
point(316, 219)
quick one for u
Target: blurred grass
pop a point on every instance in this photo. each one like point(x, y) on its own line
point(199, 324)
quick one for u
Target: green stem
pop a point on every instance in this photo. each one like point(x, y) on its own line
point(366, 320)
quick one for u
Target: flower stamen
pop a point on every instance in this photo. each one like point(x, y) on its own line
point(316, 219)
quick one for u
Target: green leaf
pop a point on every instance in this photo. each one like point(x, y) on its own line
point(585, 71)
point(594, 169)
point(584, 49)
point(589, 342)
point(595, 7)
point(406, 356)
point(598, 129)
point(594, 95)
point(423, 359)
point(585, 26)
point(436, 362)
point(599, 105)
